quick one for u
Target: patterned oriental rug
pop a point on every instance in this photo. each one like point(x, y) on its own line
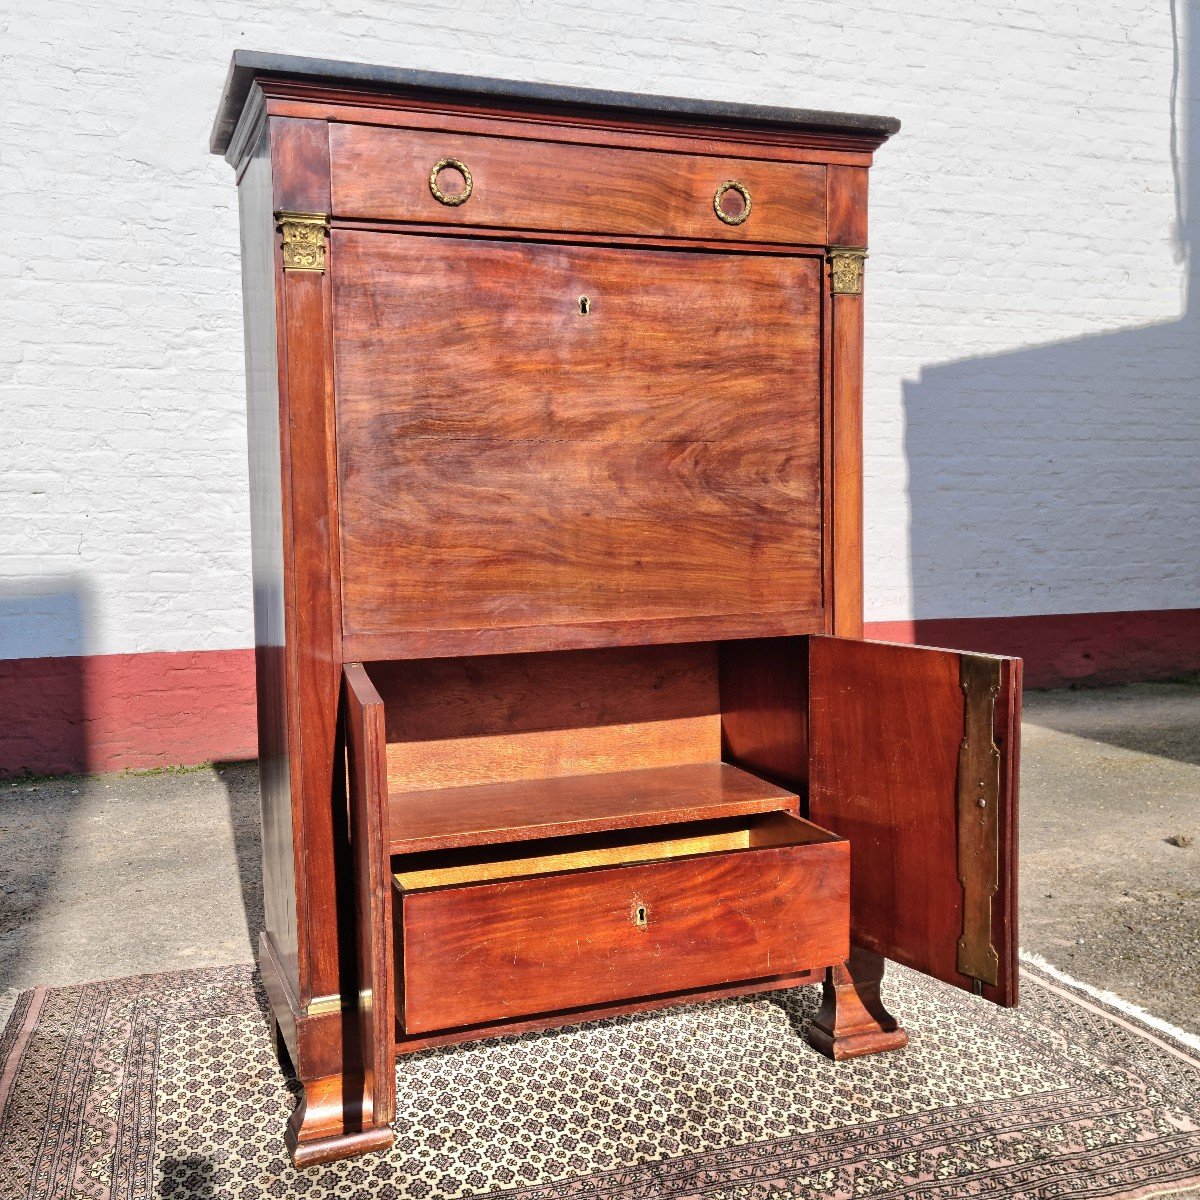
point(165, 1086)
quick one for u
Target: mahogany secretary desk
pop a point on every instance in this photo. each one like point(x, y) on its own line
point(556, 481)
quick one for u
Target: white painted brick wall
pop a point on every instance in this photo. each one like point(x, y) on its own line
point(1033, 409)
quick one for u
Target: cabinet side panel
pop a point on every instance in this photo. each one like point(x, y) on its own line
point(267, 550)
point(300, 177)
point(764, 708)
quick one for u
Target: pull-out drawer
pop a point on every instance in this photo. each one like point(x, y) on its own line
point(520, 930)
point(518, 183)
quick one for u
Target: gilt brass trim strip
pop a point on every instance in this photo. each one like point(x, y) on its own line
point(321, 1006)
point(303, 240)
point(979, 816)
point(846, 270)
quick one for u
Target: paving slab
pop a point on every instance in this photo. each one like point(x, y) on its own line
point(1110, 777)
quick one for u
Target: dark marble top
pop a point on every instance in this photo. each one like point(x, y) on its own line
point(247, 65)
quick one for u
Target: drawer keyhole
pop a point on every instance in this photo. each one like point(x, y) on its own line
point(585, 305)
point(639, 915)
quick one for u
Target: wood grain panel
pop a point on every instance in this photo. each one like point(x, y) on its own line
point(1005, 903)
point(491, 951)
point(384, 174)
point(572, 1016)
point(499, 469)
point(300, 166)
point(488, 813)
point(885, 727)
point(375, 1018)
point(764, 707)
point(460, 721)
point(847, 483)
point(848, 206)
point(269, 536)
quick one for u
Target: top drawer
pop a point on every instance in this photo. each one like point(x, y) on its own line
point(384, 174)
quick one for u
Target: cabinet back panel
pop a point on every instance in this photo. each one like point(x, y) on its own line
point(507, 460)
point(457, 721)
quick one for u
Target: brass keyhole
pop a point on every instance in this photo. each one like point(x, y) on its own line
point(585, 305)
point(639, 915)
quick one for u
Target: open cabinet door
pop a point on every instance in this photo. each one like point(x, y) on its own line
point(913, 758)
point(374, 1016)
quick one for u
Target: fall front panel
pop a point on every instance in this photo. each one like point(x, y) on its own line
point(532, 435)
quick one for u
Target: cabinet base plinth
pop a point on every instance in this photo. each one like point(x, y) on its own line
point(333, 1122)
point(852, 1021)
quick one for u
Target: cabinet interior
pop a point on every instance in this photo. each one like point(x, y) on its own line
point(590, 744)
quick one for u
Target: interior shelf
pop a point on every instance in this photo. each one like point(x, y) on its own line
point(485, 814)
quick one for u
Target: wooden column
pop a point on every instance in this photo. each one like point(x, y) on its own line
point(301, 202)
point(847, 208)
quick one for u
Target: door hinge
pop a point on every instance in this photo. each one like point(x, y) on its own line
point(979, 816)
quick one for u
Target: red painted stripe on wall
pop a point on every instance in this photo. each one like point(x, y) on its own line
point(1071, 648)
point(119, 712)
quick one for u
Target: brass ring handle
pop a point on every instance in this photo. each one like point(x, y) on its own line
point(732, 185)
point(440, 196)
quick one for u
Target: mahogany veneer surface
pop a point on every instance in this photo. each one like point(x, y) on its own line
point(486, 719)
point(540, 185)
point(507, 461)
point(885, 728)
point(497, 950)
point(539, 808)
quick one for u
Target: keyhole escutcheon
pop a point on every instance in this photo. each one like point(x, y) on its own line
point(585, 305)
point(639, 914)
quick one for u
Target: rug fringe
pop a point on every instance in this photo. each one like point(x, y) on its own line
point(1113, 1001)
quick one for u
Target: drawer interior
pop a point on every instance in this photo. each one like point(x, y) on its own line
point(447, 868)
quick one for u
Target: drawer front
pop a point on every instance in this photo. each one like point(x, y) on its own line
point(384, 174)
point(494, 951)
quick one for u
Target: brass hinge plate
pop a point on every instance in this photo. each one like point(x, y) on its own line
point(303, 240)
point(979, 816)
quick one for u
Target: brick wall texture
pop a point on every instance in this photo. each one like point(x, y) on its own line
point(1032, 398)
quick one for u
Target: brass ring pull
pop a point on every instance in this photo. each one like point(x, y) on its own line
point(443, 197)
point(732, 216)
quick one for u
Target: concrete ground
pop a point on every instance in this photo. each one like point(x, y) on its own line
point(113, 875)
point(1109, 776)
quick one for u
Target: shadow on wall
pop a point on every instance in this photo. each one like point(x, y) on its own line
point(44, 730)
point(1055, 467)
